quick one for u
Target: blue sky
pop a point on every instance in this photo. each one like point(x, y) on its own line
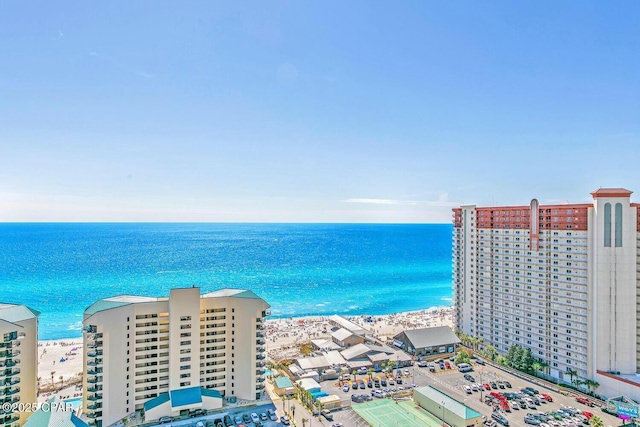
point(312, 111)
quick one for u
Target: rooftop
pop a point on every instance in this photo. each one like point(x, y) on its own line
point(17, 313)
point(342, 334)
point(451, 404)
point(348, 324)
point(429, 337)
point(611, 192)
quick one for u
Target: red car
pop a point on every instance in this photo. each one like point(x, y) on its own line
point(447, 365)
point(486, 386)
point(587, 414)
point(584, 400)
point(547, 397)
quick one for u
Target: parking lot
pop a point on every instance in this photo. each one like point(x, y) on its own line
point(212, 419)
point(452, 382)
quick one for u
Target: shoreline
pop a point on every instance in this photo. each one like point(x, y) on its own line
point(284, 317)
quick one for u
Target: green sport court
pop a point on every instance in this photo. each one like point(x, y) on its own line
point(388, 413)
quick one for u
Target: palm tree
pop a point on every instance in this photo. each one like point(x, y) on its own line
point(596, 421)
point(591, 385)
point(61, 378)
point(370, 373)
point(492, 353)
point(52, 374)
point(578, 382)
point(572, 373)
point(354, 373)
point(304, 421)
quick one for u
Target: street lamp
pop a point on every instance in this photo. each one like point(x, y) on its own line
point(443, 421)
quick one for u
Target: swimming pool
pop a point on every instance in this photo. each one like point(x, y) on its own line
point(75, 402)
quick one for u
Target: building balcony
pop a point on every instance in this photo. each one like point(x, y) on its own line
point(93, 380)
point(94, 406)
point(259, 335)
point(91, 329)
point(260, 349)
point(94, 353)
point(260, 371)
point(94, 371)
point(11, 372)
point(260, 364)
point(93, 389)
point(10, 336)
point(10, 382)
point(10, 419)
point(261, 326)
point(259, 320)
point(95, 362)
point(261, 342)
point(94, 397)
point(259, 386)
point(11, 391)
point(260, 379)
point(260, 356)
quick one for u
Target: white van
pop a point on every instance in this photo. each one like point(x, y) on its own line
point(465, 367)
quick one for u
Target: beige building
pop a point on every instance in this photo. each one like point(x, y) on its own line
point(167, 356)
point(18, 360)
point(561, 280)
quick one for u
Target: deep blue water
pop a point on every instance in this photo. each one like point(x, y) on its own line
point(300, 269)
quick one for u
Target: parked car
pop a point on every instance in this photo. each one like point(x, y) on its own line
point(447, 364)
point(423, 364)
point(494, 385)
point(254, 418)
point(507, 383)
point(245, 418)
point(530, 419)
point(587, 414)
point(467, 389)
point(165, 420)
point(383, 382)
point(486, 386)
point(584, 400)
point(547, 397)
point(500, 384)
point(346, 388)
point(327, 414)
point(432, 367)
point(285, 420)
point(238, 419)
point(227, 421)
point(500, 419)
point(370, 384)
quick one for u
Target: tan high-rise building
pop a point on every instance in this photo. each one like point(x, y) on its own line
point(170, 355)
point(561, 280)
point(18, 360)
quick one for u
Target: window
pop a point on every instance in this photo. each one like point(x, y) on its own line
point(607, 225)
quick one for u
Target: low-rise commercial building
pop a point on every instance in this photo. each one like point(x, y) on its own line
point(428, 343)
point(451, 411)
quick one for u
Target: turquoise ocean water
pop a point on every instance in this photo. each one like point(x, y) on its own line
point(300, 269)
